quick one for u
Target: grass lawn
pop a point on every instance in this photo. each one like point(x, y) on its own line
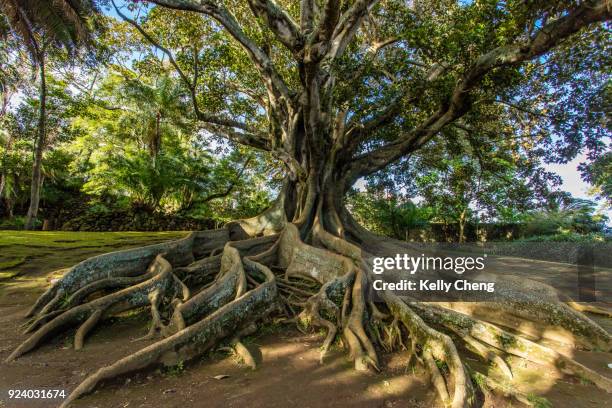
point(36, 252)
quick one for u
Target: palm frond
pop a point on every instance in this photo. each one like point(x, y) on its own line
point(64, 23)
point(20, 23)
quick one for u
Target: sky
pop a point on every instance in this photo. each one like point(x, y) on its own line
point(572, 182)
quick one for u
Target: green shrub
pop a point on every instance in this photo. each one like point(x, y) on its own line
point(568, 237)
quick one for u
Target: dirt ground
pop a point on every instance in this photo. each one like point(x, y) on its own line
point(289, 373)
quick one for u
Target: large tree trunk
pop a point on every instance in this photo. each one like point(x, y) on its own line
point(39, 148)
point(462, 221)
point(3, 172)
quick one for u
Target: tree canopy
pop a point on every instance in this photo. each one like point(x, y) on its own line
point(392, 75)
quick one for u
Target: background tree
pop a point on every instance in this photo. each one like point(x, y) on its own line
point(139, 144)
point(21, 128)
point(388, 212)
point(565, 216)
point(598, 174)
point(474, 174)
point(42, 26)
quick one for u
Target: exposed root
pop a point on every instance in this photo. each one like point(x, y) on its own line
point(585, 307)
point(240, 350)
point(244, 354)
point(311, 311)
point(103, 284)
point(48, 308)
point(127, 263)
point(85, 328)
point(360, 346)
point(218, 298)
point(34, 324)
point(216, 251)
point(524, 306)
point(436, 377)
point(389, 335)
point(487, 354)
point(156, 322)
point(195, 339)
point(126, 299)
point(199, 272)
point(229, 284)
point(499, 339)
point(435, 346)
point(361, 349)
point(77, 297)
point(487, 384)
point(241, 353)
point(51, 295)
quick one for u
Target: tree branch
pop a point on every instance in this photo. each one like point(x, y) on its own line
point(458, 104)
point(273, 81)
point(248, 137)
point(231, 185)
point(306, 15)
point(359, 132)
point(202, 116)
point(372, 53)
point(281, 24)
point(327, 22)
point(521, 108)
point(347, 27)
point(244, 138)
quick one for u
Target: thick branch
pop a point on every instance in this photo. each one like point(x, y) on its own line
point(230, 187)
point(281, 24)
point(328, 21)
point(244, 138)
point(458, 104)
point(306, 15)
point(373, 51)
point(359, 132)
point(347, 27)
point(521, 108)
